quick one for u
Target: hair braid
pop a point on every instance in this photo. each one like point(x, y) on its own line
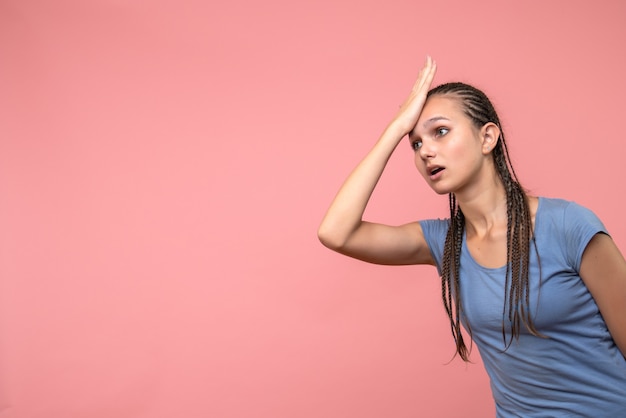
point(516, 309)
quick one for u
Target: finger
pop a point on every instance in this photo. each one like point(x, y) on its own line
point(428, 74)
point(424, 75)
point(422, 84)
point(420, 75)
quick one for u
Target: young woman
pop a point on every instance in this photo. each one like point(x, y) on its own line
point(536, 282)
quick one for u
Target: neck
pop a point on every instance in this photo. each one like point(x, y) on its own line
point(484, 208)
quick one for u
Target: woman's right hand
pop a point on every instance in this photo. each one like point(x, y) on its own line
point(410, 110)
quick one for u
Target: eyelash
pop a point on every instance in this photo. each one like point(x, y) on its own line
point(440, 131)
point(441, 128)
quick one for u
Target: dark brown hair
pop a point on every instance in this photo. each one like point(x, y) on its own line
point(519, 235)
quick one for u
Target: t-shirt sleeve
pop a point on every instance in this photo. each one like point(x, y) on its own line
point(580, 225)
point(435, 231)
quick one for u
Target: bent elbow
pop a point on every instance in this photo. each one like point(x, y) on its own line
point(329, 239)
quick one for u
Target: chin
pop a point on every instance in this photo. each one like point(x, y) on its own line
point(440, 190)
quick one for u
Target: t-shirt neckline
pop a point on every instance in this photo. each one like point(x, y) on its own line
point(501, 268)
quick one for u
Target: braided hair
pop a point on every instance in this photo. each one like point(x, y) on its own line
point(519, 235)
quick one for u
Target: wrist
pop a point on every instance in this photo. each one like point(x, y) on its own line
point(396, 129)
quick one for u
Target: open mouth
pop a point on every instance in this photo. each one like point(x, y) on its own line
point(435, 170)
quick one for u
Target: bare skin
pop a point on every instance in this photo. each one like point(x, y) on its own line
point(454, 156)
point(343, 228)
point(446, 139)
point(603, 269)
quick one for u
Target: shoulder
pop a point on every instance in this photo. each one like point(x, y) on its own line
point(568, 225)
point(566, 211)
point(553, 204)
point(434, 232)
point(434, 229)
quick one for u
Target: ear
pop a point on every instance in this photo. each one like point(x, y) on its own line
point(489, 134)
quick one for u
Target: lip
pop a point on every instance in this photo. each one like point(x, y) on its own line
point(437, 174)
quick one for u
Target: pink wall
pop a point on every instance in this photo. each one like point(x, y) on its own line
point(164, 166)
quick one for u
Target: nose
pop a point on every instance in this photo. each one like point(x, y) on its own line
point(427, 150)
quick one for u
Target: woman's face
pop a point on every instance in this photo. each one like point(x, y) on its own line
point(449, 151)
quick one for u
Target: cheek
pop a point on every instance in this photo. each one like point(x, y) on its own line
point(419, 164)
point(465, 152)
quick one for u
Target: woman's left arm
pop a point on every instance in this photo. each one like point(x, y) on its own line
point(603, 269)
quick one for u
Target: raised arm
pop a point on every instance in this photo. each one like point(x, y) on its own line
point(343, 228)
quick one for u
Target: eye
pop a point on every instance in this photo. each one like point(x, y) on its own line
point(417, 144)
point(441, 131)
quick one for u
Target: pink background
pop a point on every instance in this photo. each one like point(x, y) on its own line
point(164, 166)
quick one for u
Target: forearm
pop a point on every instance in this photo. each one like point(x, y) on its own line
point(344, 218)
point(345, 213)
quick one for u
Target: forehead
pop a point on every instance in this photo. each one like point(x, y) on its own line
point(440, 108)
point(440, 105)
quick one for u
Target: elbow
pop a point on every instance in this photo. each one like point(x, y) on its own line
point(329, 239)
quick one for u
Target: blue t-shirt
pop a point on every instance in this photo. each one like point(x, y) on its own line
point(577, 371)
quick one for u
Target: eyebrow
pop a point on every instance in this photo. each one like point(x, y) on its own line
point(426, 124)
point(433, 120)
